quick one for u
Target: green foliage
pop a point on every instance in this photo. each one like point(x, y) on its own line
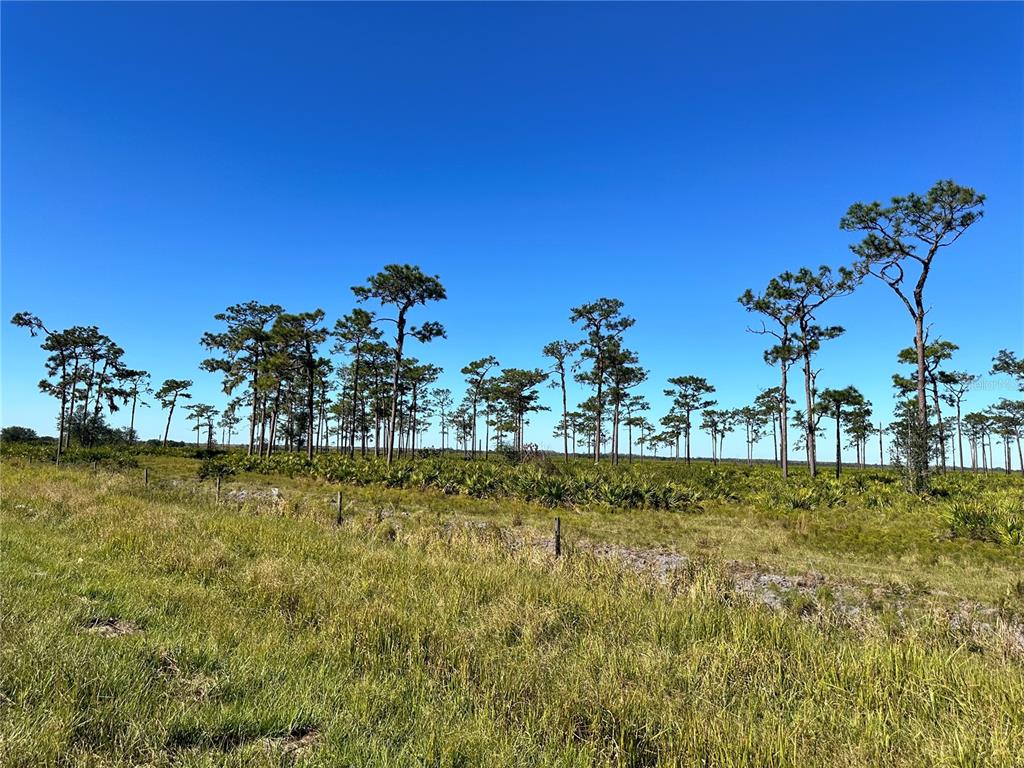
point(670, 486)
point(17, 434)
point(993, 516)
point(146, 628)
point(110, 457)
point(214, 466)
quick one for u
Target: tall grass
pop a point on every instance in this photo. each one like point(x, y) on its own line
point(260, 640)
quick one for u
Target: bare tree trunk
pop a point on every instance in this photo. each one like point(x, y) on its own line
point(131, 423)
point(810, 438)
point(399, 343)
point(170, 413)
point(255, 406)
point(919, 459)
point(687, 427)
point(775, 437)
point(839, 449)
point(783, 418)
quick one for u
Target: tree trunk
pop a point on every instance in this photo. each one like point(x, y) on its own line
point(565, 415)
point(597, 413)
point(687, 427)
point(918, 460)
point(131, 423)
point(310, 408)
point(355, 391)
point(839, 450)
point(775, 437)
point(399, 343)
point(170, 413)
point(783, 419)
point(810, 438)
point(473, 438)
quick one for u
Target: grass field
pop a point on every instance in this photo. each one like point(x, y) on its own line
point(155, 626)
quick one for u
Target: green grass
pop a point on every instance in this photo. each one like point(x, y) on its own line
point(261, 630)
point(878, 534)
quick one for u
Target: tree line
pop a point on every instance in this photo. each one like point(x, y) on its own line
point(280, 377)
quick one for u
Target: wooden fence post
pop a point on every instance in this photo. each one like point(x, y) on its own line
point(558, 537)
point(338, 519)
point(218, 488)
point(145, 476)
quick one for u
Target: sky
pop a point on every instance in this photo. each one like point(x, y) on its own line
point(163, 161)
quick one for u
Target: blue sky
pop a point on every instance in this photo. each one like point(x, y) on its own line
point(162, 161)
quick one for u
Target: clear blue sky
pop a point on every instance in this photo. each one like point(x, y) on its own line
point(162, 161)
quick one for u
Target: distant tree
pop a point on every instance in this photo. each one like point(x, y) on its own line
point(603, 324)
point(799, 422)
point(839, 402)
point(59, 368)
point(711, 422)
point(169, 393)
point(476, 379)
point(977, 426)
point(203, 414)
point(84, 372)
point(880, 431)
point(516, 389)
point(769, 401)
point(416, 377)
point(778, 303)
point(859, 428)
point(623, 374)
point(935, 354)
point(560, 353)
point(1007, 362)
point(402, 286)
point(353, 333)
point(909, 233)
point(1007, 417)
point(136, 383)
point(729, 420)
point(688, 394)
point(633, 406)
point(15, 434)
point(754, 420)
point(443, 401)
point(646, 429)
point(244, 351)
point(956, 385)
point(230, 419)
point(301, 335)
point(810, 291)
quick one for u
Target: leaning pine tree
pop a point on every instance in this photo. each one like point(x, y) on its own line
point(778, 304)
point(402, 286)
point(907, 235)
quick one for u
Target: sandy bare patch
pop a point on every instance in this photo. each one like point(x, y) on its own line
point(296, 743)
point(111, 626)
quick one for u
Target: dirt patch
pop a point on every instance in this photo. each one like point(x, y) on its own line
point(193, 685)
point(243, 494)
point(296, 743)
point(812, 593)
point(111, 626)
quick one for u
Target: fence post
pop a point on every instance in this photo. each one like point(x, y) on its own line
point(218, 488)
point(145, 476)
point(558, 537)
point(338, 518)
